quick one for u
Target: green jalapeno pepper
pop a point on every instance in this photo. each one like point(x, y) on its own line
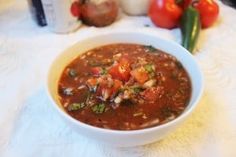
point(190, 28)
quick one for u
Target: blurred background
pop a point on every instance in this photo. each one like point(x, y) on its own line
point(230, 2)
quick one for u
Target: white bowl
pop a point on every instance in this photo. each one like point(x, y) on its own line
point(116, 137)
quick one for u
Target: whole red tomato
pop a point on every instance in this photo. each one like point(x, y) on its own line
point(165, 13)
point(209, 11)
point(75, 10)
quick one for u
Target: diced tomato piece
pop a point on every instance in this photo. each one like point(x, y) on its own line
point(140, 75)
point(103, 91)
point(124, 61)
point(117, 85)
point(96, 71)
point(121, 71)
point(92, 82)
point(107, 92)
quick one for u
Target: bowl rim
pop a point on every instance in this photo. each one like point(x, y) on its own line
point(182, 116)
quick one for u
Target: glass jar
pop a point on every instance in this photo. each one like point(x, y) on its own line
point(62, 15)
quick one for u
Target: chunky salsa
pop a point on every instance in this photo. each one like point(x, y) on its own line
point(124, 87)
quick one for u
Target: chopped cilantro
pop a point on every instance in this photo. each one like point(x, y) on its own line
point(99, 108)
point(149, 68)
point(150, 48)
point(72, 73)
point(104, 71)
point(136, 89)
point(121, 90)
point(76, 106)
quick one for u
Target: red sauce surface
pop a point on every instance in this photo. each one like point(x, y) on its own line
point(124, 87)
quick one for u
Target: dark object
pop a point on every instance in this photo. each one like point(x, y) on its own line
point(230, 3)
point(36, 9)
point(190, 28)
point(234, 3)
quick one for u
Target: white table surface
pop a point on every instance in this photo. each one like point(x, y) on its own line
point(29, 126)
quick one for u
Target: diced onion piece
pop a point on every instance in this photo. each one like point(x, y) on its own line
point(118, 100)
point(149, 83)
point(126, 94)
point(105, 94)
point(150, 123)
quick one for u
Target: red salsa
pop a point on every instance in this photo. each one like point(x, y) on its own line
point(124, 87)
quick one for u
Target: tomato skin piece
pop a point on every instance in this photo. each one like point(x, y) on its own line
point(96, 71)
point(105, 92)
point(120, 71)
point(140, 75)
point(117, 85)
point(165, 13)
point(208, 10)
point(92, 83)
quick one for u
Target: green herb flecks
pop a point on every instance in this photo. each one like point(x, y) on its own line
point(72, 73)
point(150, 68)
point(121, 90)
point(104, 71)
point(76, 106)
point(136, 89)
point(150, 48)
point(99, 108)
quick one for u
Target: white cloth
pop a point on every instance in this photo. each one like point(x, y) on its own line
point(29, 126)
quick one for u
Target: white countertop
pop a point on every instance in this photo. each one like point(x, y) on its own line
point(29, 126)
